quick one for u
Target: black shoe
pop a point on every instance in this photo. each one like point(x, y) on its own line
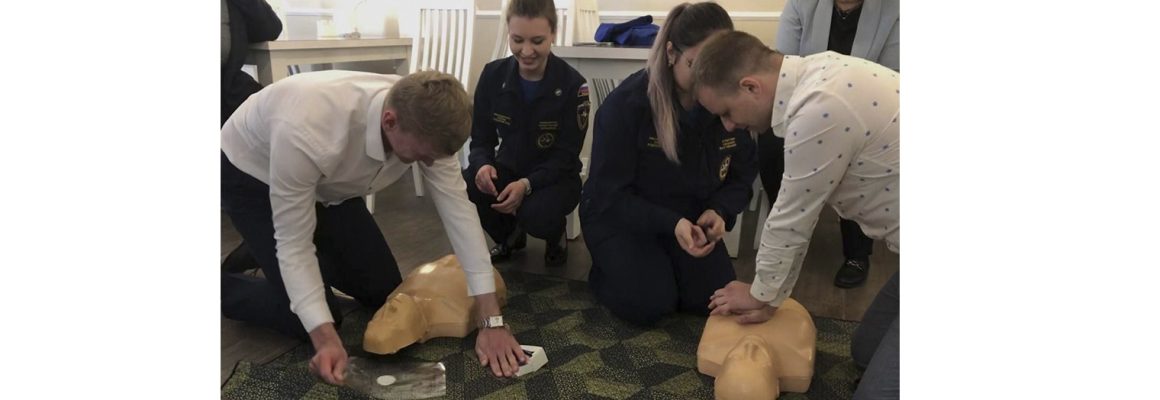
point(852, 273)
point(501, 252)
point(555, 255)
point(240, 260)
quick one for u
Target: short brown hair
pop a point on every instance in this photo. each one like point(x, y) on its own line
point(532, 9)
point(727, 57)
point(434, 107)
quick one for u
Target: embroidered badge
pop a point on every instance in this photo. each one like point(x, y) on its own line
point(583, 92)
point(653, 142)
point(728, 143)
point(502, 119)
point(724, 167)
point(546, 140)
point(582, 115)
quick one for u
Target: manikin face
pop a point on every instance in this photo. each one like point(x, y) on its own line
point(744, 109)
point(530, 40)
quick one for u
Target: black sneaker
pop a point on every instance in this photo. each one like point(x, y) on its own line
point(240, 260)
point(555, 255)
point(852, 273)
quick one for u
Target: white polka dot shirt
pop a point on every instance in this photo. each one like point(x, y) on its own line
point(839, 117)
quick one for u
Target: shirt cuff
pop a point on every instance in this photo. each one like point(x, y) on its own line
point(529, 186)
point(480, 282)
point(314, 314)
point(771, 295)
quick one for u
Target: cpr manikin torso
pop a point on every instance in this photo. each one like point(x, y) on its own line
point(759, 361)
point(431, 302)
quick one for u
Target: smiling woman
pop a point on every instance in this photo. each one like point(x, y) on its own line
point(538, 105)
point(531, 32)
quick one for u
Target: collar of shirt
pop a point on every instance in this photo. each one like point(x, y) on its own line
point(375, 128)
point(787, 81)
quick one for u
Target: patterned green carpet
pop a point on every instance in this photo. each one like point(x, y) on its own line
point(591, 355)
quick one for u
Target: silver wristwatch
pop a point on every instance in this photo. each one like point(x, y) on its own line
point(494, 321)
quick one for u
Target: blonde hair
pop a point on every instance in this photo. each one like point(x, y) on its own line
point(432, 106)
point(532, 9)
point(728, 57)
point(684, 27)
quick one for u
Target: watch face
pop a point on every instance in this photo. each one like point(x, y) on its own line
point(495, 321)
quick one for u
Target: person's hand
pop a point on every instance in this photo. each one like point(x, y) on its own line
point(713, 225)
point(330, 359)
point(496, 347)
point(734, 298)
point(692, 239)
point(756, 316)
point(484, 179)
point(511, 197)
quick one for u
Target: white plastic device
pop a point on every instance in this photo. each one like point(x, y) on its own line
point(536, 360)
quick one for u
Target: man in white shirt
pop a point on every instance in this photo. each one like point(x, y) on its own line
point(297, 159)
point(839, 118)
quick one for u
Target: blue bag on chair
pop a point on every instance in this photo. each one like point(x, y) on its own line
point(638, 32)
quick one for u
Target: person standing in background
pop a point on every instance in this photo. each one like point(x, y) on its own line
point(243, 22)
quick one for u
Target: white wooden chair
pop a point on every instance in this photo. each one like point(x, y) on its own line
point(585, 19)
point(446, 30)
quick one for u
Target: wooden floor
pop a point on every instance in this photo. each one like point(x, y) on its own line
point(416, 236)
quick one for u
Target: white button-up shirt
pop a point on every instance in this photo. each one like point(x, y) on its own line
point(316, 137)
point(839, 117)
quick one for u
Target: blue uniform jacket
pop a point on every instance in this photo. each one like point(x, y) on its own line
point(541, 140)
point(632, 185)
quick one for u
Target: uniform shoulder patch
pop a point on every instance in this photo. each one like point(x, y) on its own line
point(583, 91)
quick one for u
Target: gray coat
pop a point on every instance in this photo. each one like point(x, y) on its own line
point(804, 29)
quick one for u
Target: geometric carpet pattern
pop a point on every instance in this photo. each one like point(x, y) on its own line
point(591, 355)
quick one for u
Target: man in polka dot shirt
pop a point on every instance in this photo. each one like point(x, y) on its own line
point(839, 118)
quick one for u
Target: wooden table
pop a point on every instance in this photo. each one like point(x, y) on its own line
point(274, 58)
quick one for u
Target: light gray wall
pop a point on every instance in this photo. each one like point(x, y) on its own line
point(487, 26)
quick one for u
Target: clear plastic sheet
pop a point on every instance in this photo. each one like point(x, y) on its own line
point(384, 380)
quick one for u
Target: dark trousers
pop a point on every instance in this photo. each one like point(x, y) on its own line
point(541, 214)
point(352, 254)
point(771, 164)
point(875, 345)
point(641, 278)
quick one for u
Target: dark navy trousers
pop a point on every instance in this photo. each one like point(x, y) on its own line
point(541, 214)
point(352, 254)
point(641, 278)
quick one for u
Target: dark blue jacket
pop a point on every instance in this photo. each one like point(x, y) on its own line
point(632, 185)
point(541, 140)
point(251, 21)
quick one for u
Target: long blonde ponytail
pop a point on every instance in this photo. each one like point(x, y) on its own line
point(685, 26)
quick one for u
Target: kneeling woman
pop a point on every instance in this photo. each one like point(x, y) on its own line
point(667, 180)
point(535, 107)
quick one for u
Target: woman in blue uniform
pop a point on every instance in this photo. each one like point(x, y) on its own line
point(666, 181)
point(534, 106)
